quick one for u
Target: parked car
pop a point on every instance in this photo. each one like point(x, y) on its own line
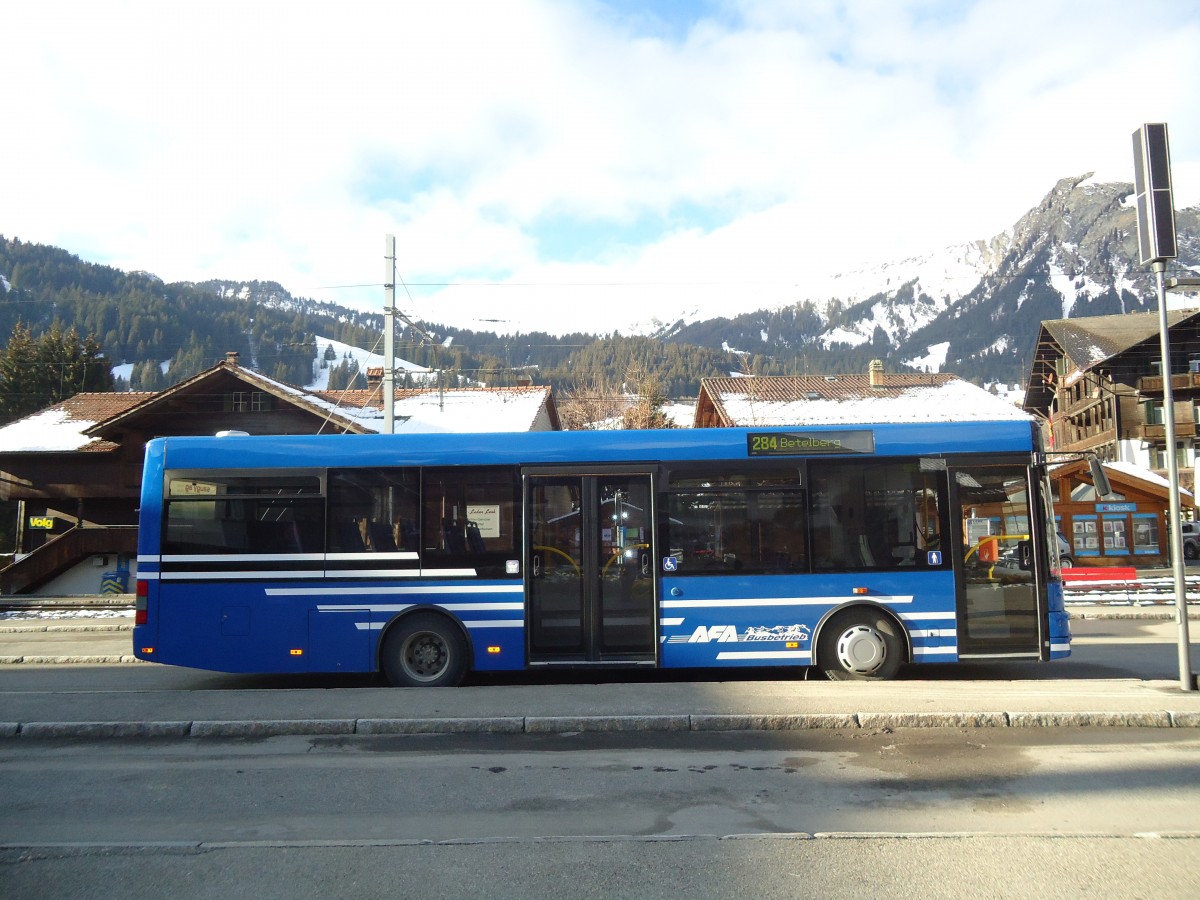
point(1066, 557)
point(1190, 532)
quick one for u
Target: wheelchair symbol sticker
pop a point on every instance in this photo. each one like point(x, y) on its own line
point(670, 563)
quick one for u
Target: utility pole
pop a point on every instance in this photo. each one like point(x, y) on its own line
point(389, 335)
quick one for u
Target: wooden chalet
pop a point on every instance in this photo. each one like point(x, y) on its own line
point(75, 468)
point(1097, 382)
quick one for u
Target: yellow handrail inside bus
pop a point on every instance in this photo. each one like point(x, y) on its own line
point(543, 548)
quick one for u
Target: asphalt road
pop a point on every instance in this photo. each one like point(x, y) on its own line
point(772, 784)
point(921, 813)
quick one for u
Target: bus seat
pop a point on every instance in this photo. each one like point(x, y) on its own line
point(452, 537)
point(350, 538)
point(475, 539)
point(382, 538)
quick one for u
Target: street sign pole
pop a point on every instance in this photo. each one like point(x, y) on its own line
point(1157, 244)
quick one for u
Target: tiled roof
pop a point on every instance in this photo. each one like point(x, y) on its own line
point(62, 427)
point(100, 406)
point(785, 388)
point(846, 399)
point(457, 409)
point(86, 421)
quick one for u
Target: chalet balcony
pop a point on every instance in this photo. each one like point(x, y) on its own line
point(1184, 383)
point(1082, 405)
point(1158, 433)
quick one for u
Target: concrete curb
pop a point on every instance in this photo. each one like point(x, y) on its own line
point(68, 660)
point(21, 626)
point(577, 724)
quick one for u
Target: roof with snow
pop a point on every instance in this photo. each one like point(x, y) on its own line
point(97, 421)
point(522, 408)
point(1126, 478)
point(845, 400)
point(1092, 339)
point(64, 427)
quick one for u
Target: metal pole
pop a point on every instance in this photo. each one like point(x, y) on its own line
point(389, 335)
point(1186, 681)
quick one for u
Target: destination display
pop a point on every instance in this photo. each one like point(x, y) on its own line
point(776, 443)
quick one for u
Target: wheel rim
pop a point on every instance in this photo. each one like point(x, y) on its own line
point(425, 656)
point(861, 650)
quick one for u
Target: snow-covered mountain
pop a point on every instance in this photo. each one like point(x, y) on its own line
point(975, 308)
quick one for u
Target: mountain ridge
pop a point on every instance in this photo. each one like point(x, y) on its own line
point(973, 309)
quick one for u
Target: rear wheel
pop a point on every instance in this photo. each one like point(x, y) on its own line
point(860, 645)
point(424, 650)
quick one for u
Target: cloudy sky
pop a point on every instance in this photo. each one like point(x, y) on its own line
point(580, 163)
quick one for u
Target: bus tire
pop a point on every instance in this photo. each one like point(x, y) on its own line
point(860, 645)
point(424, 650)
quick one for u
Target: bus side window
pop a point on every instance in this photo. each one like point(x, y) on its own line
point(470, 518)
point(737, 531)
point(368, 509)
point(218, 513)
point(872, 516)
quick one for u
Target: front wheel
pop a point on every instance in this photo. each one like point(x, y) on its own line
point(1189, 550)
point(424, 650)
point(860, 645)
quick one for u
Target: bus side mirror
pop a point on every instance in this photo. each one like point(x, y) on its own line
point(1099, 477)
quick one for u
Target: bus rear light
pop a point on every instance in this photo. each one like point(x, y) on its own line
point(141, 601)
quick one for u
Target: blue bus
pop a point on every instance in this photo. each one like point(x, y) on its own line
point(426, 557)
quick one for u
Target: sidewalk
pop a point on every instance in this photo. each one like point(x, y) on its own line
point(642, 704)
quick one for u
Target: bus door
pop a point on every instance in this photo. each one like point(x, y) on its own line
point(998, 608)
point(590, 578)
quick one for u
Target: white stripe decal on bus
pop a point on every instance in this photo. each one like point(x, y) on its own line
point(242, 557)
point(934, 651)
point(469, 623)
point(405, 589)
point(765, 654)
point(239, 576)
point(452, 607)
point(279, 557)
point(776, 601)
point(934, 632)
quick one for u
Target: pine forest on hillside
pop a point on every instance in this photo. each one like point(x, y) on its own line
point(137, 319)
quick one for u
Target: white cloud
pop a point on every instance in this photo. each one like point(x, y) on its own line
point(726, 156)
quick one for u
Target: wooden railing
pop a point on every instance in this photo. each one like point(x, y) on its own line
point(63, 551)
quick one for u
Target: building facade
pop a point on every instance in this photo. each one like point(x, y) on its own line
point(1097, 383)
point(75, 468)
